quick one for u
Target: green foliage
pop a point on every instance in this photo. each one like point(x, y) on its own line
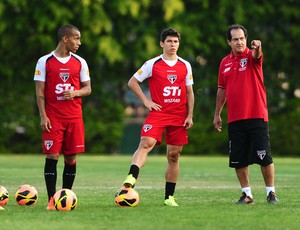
point(119, 36)
point(285, 127)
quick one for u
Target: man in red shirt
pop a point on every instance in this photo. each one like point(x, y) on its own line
point(241, 86)
point(170, 109)
point(62, 78)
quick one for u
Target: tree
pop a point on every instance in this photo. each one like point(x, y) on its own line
point(118, 36)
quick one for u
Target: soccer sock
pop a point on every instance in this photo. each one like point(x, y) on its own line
point(270, 189)
point(69, 175)
point(247, 190)
point(169, 189)
point(134, 170)
point(50, 175)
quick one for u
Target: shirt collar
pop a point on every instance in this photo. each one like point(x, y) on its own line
point(244, 54)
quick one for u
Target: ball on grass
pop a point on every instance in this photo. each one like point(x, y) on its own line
point(127, 197)
point(26, 195)
point(4, 196)
point(65, 200)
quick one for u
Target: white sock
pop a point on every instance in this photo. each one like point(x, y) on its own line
point(270, 189)
point(247, 190)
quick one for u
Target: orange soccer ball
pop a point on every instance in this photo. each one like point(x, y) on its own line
point(4, 196)
point(127, 197)
point(26, 195)
point(65, 200)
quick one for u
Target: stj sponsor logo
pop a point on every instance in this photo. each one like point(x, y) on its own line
point(174, 91)
point(60, 88)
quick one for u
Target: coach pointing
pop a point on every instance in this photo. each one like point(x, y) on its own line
point(241, 86)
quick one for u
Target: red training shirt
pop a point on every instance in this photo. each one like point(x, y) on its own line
point(60, 74)
point(242, 78)
point(167, 83)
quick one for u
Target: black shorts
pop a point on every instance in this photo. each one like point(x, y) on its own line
point(249, 143)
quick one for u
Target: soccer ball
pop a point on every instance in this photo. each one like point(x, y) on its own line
point(127, 197)
point(26, 195)
point(65, 200)
point(3, 196)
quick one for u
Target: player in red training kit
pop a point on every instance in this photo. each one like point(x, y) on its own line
point(241, 86)
point(170, 109)
point(62, 78)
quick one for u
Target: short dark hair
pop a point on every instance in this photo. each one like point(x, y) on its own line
point(169, 32)
point(234, 27)
point(65, 30)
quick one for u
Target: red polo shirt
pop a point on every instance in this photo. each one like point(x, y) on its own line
point(242, 78)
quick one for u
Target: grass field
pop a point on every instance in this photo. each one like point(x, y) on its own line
point(206, 192)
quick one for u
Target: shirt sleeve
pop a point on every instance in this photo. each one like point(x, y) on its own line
point(189, 76)
point(221, 83)
point(40, 70)
point(144, 72)
point(84, 72)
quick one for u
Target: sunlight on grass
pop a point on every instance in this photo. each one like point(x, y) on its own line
point(206, 192)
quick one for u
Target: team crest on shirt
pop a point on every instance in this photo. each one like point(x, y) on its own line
point(147, 127)
point(48, 144)
point(172, 78)
point(243, 62)
point(261, 154)
point(64, 76)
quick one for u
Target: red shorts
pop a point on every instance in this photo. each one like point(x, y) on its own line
point(64, 137)
point(175, 134)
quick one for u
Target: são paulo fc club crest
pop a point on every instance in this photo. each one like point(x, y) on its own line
point(243, 62)
point(64, 76)
point(261, 154)
point(48, 144)
point(172, 78)
point(147, 127)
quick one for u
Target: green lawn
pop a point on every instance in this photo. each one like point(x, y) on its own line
point(206, 192)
